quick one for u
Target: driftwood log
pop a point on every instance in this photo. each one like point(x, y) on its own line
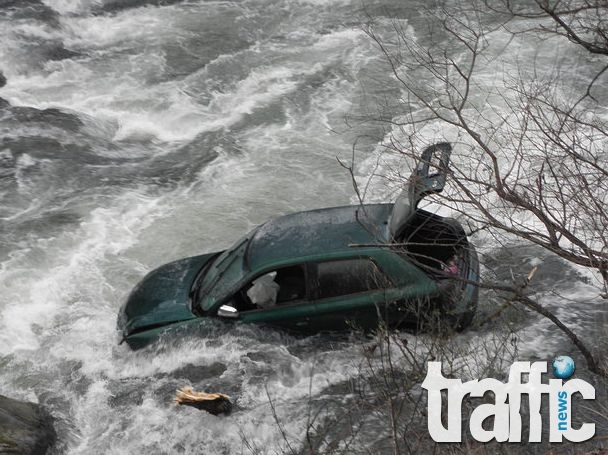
point(213, 403)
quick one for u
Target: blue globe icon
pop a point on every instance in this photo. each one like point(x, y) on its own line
point(563, 367)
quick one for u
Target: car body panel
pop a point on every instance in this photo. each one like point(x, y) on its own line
point(317, 232)
point(162, 296)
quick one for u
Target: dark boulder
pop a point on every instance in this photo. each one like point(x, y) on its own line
point(3, 102)
point(25, 428)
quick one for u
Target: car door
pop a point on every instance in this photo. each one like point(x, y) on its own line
point(349, 293)
point(293, 306)
point(358, 292)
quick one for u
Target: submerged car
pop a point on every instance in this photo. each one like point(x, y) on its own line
point(323, 270)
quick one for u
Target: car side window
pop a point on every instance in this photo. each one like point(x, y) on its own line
point(349, 276)
point(292, 284)
point(282, 286)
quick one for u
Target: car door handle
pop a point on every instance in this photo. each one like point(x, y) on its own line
point(301, 323)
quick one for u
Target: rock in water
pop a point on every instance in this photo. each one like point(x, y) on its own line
point(3, 102)
point(213, 403)
point(25, 428)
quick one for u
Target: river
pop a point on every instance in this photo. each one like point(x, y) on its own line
point(143, 131)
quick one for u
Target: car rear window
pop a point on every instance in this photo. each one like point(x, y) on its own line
point(349, 276)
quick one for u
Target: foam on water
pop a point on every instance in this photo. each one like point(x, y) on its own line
point(71, 6)
point(162, 110)
point(149, 26)
point(106, 81)
point(53, 283)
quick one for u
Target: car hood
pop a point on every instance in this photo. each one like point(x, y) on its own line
point(161, 297)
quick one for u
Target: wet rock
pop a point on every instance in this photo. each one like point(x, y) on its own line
point(25, 428)
point(3, 103)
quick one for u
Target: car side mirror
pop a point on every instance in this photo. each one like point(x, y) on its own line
point(227, 311)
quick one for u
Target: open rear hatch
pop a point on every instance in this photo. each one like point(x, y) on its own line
point(429, 177)
point(430, 240)
point(437, 245)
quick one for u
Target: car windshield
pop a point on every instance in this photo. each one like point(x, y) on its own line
point(227, 270)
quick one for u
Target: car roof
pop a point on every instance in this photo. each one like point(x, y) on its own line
point(317, 232)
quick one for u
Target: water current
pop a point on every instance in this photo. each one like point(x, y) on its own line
point(142, 131)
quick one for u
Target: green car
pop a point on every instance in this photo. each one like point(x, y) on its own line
point(323, 270)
